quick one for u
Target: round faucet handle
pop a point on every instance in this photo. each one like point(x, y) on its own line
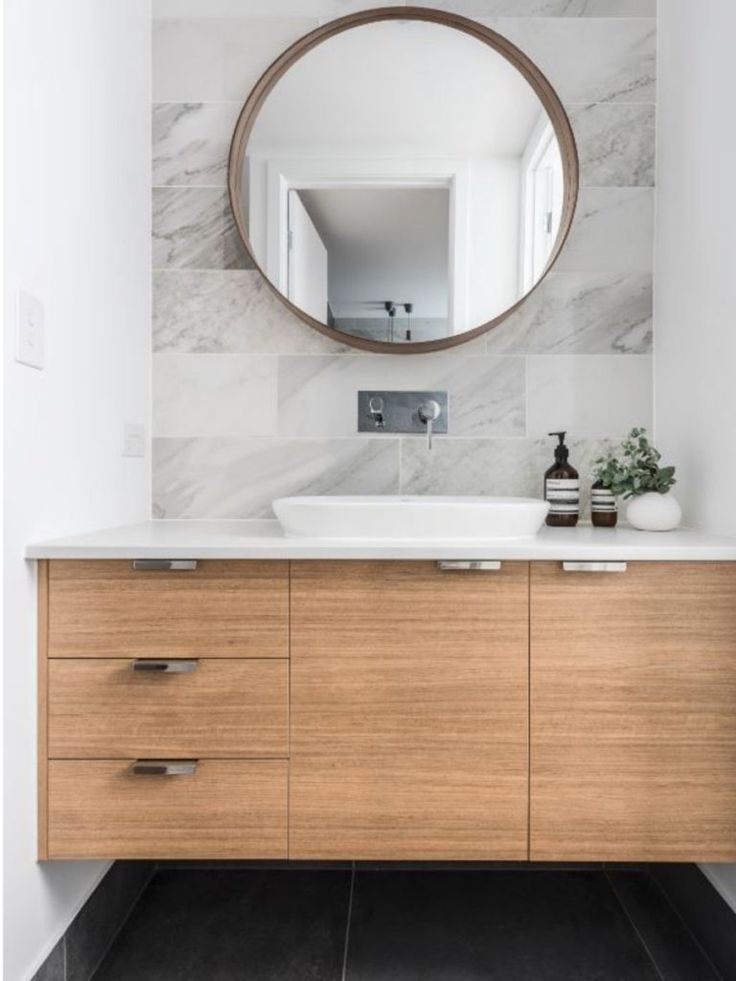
point(429, 411)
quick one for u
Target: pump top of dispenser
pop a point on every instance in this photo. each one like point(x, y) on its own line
point(561, 451)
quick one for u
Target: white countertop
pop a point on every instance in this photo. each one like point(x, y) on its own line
point(265, 540)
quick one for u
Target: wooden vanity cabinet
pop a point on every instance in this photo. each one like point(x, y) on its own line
point(389, 710)
point(409, 711)
point(633, 713)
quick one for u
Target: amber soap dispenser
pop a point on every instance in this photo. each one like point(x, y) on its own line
point(562, 488)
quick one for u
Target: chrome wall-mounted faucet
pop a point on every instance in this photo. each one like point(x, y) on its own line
point(404, 412)
point(428, 413)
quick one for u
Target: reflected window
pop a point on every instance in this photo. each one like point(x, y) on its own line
point(543, 196)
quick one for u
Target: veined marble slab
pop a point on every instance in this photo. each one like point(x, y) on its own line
point(238, 478)
point(193, 227)
point(228, 312)
point(592, 396)
point(218, 59)
point(214, 395)
point(547, 8)
point(613, 229)
point(340, 8)
point(580, 313)
point(191, 142)
point(317, 395)
point(589, 59)
point(496, 467)
point(615, 143)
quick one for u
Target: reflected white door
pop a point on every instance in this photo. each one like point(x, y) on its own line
point(307, 283)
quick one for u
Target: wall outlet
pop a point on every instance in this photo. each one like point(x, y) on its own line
point(29, 339)
point(134, 439)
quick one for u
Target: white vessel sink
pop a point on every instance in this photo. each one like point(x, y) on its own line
point(411, 517)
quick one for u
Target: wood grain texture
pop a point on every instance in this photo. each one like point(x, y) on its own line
point(42, 626)
point(409, 699)
point(227, 809)
point(633, 713)
point(222, 609)
point(225, 708)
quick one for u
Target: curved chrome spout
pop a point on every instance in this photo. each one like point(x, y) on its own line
point(428, 412)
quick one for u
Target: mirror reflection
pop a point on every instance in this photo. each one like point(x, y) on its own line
point(402, 182)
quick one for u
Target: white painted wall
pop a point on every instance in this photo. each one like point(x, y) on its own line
point(695, 288)
point(494, 228)
point(77, 235)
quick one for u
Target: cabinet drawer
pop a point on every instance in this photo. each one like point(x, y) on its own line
point(219, 609)
point(105, 708)
point(225, 809)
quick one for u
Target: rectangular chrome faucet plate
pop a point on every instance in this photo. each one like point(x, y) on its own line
point(400, 412)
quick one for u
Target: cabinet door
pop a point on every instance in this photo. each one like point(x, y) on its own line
point(633, 713)
point(409, 696)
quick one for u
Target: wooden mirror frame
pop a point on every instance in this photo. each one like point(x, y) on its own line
point(547, 96)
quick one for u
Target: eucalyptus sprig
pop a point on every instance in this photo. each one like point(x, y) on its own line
point(634, 469)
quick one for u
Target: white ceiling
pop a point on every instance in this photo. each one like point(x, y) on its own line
point(384, 244)
point(399, 87)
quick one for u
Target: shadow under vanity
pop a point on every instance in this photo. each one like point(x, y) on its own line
point(343, 708)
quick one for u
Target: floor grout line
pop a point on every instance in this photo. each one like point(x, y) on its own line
point(663, 892)
point(631, 920)
point(347, 926)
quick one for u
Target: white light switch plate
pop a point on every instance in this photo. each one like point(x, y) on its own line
point(29, 340)
point(134, 439)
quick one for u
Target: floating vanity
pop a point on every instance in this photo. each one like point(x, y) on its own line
point(218, 690)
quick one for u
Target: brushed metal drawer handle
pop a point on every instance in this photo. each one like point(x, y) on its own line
point(164, 565)
point(164, 768)
point(594, 566)
point(469, 565)
point(174, 665)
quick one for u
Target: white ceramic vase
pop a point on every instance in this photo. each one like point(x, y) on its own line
point(654, 512)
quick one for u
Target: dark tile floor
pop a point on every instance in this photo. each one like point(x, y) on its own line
point(403, 925)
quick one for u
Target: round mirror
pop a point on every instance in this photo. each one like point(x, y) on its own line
point(403, 178)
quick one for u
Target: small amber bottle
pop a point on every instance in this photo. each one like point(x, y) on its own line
point(603, 507)
point(562, 488)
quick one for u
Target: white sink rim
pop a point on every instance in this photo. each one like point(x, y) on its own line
point(416, 517)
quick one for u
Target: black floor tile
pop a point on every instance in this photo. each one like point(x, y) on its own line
point(234, 925)
point(501, 926)
point(670, 944)
point(101, 917)
point(54, 967)
point(705, 911)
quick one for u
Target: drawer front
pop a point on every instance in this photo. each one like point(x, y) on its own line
point(226, 809)
point(219, 609)
point(104, 707)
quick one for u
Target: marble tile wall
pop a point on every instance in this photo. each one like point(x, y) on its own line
point(250, 404)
